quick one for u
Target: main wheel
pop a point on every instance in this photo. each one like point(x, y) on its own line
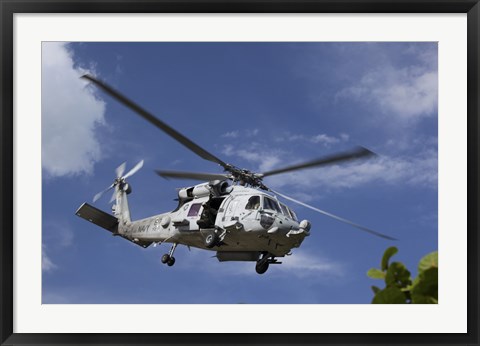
point(261, 268)
point(165, 258)
point(171, 261)
point(211, 240)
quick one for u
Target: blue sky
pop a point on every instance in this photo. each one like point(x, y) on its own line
point(258, 106)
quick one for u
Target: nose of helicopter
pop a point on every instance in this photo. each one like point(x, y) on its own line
point(277, 224)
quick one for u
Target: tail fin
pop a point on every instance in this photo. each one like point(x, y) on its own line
point(122, 189)
point(121, 209)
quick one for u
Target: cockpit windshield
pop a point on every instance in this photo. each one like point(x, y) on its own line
point(288, 212)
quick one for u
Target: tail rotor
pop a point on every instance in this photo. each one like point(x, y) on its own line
point(120, 180)
point(133, 170)
point(120, 170)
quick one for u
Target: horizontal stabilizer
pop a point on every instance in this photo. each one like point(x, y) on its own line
point(98, 217)
point(106, 221)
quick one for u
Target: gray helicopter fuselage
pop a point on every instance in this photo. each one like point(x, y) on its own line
point(243, 227)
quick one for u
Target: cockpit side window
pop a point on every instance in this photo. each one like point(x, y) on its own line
point(285, 210)
point(271, 204)
point(294, 216)
point(253, 203)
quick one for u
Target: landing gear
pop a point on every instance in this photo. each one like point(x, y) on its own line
point(264, 262)
point(168, 258)
point(165, 258)
point(261, 267)
point(212, 240)
point(171, 261)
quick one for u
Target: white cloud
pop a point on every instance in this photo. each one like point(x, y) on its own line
point(55, 298)
point(321, 138)
point(263, 160)
point(408, 93)
point(47, 264)
point(58, 233)
point(324, 139)
point(56, 236)
point(327, 140)
point(70, 114)
point(244, 133)
point(418, 170)
point(252, 132)
point(231, 134)
point(302, 264)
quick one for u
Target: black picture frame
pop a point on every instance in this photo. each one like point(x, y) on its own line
point(9, 7)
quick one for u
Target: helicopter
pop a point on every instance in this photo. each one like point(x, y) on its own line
point(242, 220)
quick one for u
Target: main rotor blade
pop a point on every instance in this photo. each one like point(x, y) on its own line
point(365, 229)
point(357, 153)
point(120, 169)
point(134, 170)
point(192, 175)
point(100, 194)
point(157, 122)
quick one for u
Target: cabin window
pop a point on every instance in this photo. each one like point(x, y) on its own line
point(271, 204)
point(194, 209)
point(253, 203)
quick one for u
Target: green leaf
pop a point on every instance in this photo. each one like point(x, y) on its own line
point(415, 282)
point(428, 261)
point(375, 289)
point(419, 299)
point(390, 295)
point(397, 275)
point(386, 256)
point(375, 273)
point(426, 289)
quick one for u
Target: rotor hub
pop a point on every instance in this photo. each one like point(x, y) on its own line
point(245, 176)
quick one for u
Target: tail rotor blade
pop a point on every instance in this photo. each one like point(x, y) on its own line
point(365, 229)
point(100, 194)
point(113, 198)
point(120, 169)
point(134, 170)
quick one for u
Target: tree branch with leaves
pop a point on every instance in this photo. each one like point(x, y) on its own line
point(399, 286)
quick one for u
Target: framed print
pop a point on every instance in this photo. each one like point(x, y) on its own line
point(320, 163)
